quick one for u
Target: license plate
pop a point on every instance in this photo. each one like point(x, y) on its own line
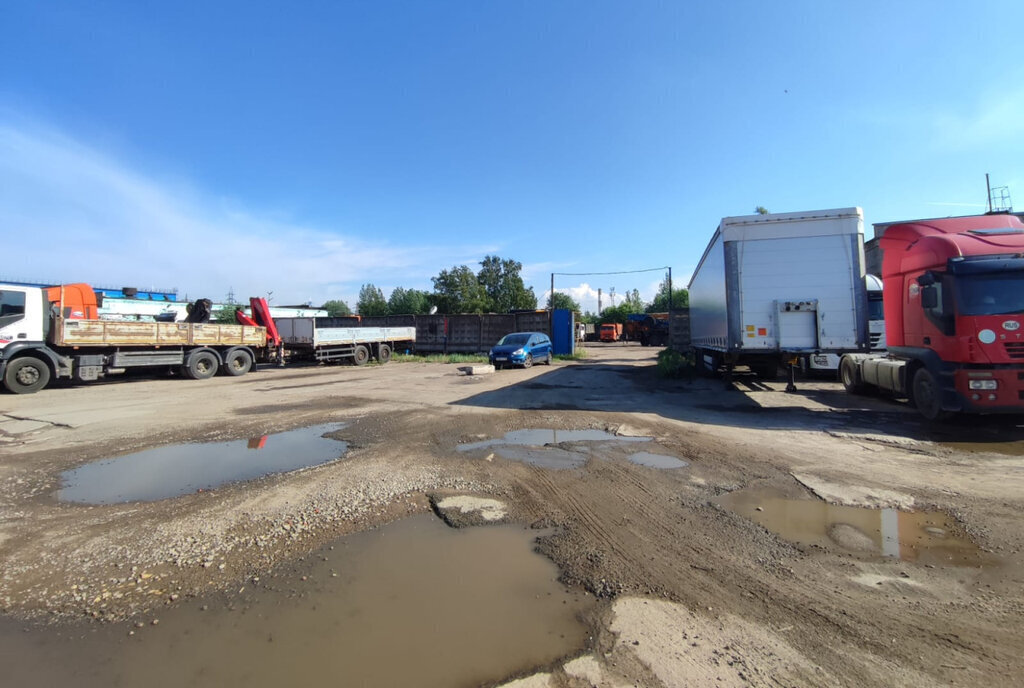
point(501, 358)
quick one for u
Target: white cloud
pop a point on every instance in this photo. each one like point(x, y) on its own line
point(69, 212)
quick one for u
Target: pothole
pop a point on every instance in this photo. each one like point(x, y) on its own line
point(925, 537)
point(415, 603)
point(175, 470)
point(555, 449)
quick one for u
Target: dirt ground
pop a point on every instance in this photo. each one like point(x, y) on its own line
point(692, 593)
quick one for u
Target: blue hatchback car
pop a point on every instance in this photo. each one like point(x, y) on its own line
point(521, 348)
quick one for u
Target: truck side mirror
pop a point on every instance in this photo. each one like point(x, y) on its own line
point(929, 297)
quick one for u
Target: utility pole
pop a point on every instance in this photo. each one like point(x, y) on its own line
point(551, 299)
point(599, 302)
point(670, 289)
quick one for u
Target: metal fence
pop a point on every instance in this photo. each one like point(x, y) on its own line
point(469, 333)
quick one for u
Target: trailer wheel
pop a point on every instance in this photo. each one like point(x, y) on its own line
point(360, 355)
point(200, 366)
point(26, 375)
point(928, 396)
point(850, 377)
point(384, 353)
point(237, 362)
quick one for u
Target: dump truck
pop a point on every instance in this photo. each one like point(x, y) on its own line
point(954, 316)
point(611, 332)
point(55, 332)
point(773, 289)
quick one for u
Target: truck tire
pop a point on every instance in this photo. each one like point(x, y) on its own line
point(237, 362)
point(849, 374)
point(384, 353)
point(200, 365)
point(26, 375)
point(928, 396)
point(360, 355)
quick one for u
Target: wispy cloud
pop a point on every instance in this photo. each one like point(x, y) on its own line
point(71, 212)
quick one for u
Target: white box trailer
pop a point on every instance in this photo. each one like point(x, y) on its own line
point(773, 287)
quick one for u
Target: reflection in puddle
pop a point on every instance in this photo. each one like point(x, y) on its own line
point(179, 469)
point(657, 460)
point(925, 537)
point(547, 448)
point(413, 604)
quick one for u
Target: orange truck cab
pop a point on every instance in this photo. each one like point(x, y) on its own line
point(611, 332)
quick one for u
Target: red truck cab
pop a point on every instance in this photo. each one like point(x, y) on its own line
point(954, 311)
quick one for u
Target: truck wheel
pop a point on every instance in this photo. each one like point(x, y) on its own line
point(237, 362)
point(26, 375)
point(201, 366)
point(360, 355)
point(928, 396)
point(850, 377)
point(384, 353)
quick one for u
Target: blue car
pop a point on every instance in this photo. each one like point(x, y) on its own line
point(521, 348)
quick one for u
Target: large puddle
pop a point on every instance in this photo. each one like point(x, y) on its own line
point(413, 604)
point(555, 449)
point(925, 537)
point(180, 469)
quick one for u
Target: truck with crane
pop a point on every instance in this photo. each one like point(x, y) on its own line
point(954, 316)
point(53, 333)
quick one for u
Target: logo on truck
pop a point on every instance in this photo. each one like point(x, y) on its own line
point(1011, 325)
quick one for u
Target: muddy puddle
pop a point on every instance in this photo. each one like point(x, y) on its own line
point(413, 604)
point(179, 469)
point(924, 537)
point(555, 449)
point(657, 460)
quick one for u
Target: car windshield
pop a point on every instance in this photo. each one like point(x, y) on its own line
point(995, 294)
point(514, 340)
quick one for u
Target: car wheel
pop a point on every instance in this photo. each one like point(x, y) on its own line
point(548, 362)
point(528, 362)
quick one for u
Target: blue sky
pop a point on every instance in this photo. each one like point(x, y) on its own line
point(309, 148)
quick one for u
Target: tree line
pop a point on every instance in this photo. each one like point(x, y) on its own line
point(497, 287)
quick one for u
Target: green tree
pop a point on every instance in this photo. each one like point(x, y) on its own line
point(562, 300)
point(633, 303)
point(680, 299)
point(371, 301)
point(408, 302)
point(336, 308)
point(615, 314)
point(226, 314)
point(504, 286)
point(761, 210)
point(458, 291)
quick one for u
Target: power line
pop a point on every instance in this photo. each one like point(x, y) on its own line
point(620, 272)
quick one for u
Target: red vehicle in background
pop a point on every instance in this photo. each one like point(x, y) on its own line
point(954, 316)
point(611, 332)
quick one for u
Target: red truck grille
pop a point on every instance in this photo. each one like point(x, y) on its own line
point(1015, 349)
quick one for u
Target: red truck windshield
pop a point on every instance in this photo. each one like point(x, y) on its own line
point(996, 294)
